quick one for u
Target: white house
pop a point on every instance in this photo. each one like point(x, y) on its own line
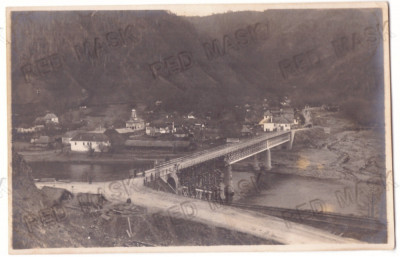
point(280, 123)
point(166, 128)
point(25, 130)
point(191, 116)
point(30, 130)
point(50, 118)
point(85, 141)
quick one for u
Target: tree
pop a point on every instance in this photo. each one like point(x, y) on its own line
point(90, 150)
point(103, 147)
point(302, 118)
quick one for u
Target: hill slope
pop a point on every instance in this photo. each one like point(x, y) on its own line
point(106, 57)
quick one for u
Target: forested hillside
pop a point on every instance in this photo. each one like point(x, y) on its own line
point(204, 64)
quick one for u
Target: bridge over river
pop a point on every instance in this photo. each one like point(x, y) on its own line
point(199, 172)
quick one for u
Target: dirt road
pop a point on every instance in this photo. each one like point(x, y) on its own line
point(252, 223)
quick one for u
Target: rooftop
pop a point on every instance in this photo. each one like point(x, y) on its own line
point(125, 130)
point(50, 116)
point(94, 137)
point(282, 120)
point(71, 133)
point(136, 120)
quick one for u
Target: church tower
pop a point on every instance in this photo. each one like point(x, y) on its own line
point(133, 115)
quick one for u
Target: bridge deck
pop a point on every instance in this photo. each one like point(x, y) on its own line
point(217, 152)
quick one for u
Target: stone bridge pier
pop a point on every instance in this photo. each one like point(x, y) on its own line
point(289, 144)
point(228, 183)
point(229, 191)
point(265, 158)
point(173, 180)
point(268, 164)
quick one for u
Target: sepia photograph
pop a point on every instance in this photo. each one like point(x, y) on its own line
point(192, 128)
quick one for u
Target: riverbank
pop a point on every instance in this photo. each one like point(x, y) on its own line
point(98, 158)
point(333, 149)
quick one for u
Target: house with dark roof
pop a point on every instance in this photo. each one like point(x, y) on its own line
point(66, 138)
point(281, 121)
point(47, 119)
point(156, 128)
point(83, 142)
point(181, 132)
point(50, 118)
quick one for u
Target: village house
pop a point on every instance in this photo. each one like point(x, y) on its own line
point(281, 121)
point(135, 122)
point(199, 126)
point(66, 138)
point(49, 118)
point(83, 142)
point(42, 141)
point(33, 129)
point(270, 124)
point(161, 128)
point(191, 116)
point(181, 133)
point(22, 130)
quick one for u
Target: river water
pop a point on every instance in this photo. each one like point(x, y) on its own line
point(307, 193)
point(83, 172)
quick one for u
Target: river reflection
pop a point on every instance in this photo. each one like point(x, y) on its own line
point(84, 172)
